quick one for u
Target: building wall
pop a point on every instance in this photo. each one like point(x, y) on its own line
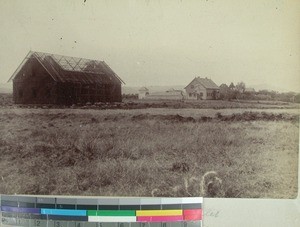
point(200, 90)
point(76, 93)
point(143, 94)
point(114, 92)
point(33, 85)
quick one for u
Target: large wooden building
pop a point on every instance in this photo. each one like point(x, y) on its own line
point(202, 89)
point(44, 78)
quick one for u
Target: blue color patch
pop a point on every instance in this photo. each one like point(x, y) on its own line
point(64, 212)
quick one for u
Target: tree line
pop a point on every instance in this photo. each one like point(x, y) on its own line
point(240, 91)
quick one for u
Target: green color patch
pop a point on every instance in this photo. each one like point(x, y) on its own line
point(92, 213)
point(111, 213)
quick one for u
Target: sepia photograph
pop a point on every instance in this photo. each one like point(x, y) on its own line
point(156, 98)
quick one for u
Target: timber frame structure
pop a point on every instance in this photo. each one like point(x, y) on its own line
point(44, 78)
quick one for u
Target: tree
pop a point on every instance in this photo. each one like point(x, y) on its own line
point(231, 86)
point(224, 91)
point(241, 87)
point(224, 87)
point(297, 98)
point(228, 93)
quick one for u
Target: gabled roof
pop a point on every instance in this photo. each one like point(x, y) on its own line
point(205, 82)
point(72, 69)
point(143, 89)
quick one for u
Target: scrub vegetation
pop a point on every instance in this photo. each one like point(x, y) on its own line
point(149, 152)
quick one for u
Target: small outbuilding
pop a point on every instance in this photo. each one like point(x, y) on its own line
point(143, 92)
point(44, 78)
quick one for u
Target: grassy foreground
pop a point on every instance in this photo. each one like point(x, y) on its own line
point(119, 152)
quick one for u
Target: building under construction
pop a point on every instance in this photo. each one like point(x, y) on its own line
point(44, 78)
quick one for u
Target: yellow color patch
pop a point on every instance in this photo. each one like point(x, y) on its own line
point(140, 213)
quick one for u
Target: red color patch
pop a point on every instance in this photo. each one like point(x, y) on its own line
point(192, 215)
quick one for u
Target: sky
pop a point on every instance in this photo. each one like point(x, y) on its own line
point(156, 42)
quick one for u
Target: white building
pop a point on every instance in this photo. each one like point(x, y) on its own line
point(143, 92)
point(202, 88)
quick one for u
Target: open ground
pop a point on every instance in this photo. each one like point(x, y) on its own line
point(149, 152)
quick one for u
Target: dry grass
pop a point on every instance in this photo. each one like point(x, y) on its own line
point(113, 152)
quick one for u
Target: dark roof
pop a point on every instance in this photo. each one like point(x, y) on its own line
point(72, 69)
point(205, 82)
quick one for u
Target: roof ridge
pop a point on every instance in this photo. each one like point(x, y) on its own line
point(46, 53)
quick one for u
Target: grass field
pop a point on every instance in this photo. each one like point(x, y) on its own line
point(144, 152)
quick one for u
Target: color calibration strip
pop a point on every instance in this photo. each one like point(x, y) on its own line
point(100, 211)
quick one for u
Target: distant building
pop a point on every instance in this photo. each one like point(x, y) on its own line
point(143, 92)
point(170, 94)
point(202, 89)
point(44, 78)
